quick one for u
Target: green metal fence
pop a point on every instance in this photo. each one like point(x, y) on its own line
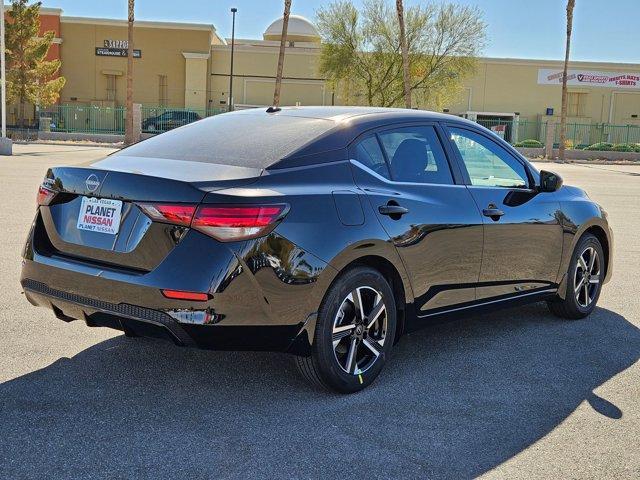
point(111, 120)
point(83, 119)
point(579, 135)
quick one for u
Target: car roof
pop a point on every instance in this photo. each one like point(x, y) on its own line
point(346, 113)
point(348, 124)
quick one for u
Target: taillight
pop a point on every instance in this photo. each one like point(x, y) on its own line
point(175, 214)
point(237, 222)
point(45, 195)
point(227, 223)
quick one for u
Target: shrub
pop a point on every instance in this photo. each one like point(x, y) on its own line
point(636, 147)
point(601, 146)
point(623, 147)
point(529, 143)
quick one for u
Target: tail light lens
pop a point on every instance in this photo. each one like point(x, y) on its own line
point(237, 222)
point(174, 214)
point(227, 223)
point(45, 195)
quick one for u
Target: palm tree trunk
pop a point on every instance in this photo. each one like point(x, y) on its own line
point(563, 114)
point(405, 54)
point(128, 129)
point(283, 41)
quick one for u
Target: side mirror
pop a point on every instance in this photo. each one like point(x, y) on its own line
point(549, 181)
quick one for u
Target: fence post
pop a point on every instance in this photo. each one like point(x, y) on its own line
point(137, 121)
point(548, 141)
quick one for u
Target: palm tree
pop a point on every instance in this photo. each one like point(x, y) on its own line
point(128, 128)
point(563, 114)
point(283, 40)
point(405, 54)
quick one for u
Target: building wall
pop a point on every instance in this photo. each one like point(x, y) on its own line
point(162, 50)
point(511, 85)
point(255, 68)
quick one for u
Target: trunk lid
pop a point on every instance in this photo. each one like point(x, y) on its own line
point(139, 243)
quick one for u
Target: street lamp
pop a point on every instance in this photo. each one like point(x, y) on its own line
point(233, 37)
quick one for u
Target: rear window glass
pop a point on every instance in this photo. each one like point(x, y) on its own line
point(244, 139)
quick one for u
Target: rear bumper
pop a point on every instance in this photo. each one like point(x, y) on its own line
point(259, 299)
point(144, 322)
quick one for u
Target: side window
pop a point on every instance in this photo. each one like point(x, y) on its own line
point(368, 153)
point(415, 155)
point(486, 162)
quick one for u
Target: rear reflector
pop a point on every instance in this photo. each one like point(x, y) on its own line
point(175, 214)
point(180, 295)
point(45, 195)
point(237, 222)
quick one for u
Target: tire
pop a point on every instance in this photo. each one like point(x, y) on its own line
point(350, 349)
point(575, 304)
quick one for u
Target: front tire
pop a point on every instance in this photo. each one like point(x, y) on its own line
point(584, 281)
point(354, 332)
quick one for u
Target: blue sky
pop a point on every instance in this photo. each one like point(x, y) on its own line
point(604, 30)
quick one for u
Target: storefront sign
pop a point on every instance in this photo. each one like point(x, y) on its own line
point(589, 78)
point(116, 52)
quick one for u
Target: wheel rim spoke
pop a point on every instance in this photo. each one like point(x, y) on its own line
point(587, 300)
point(583, 264)
point(592, 259)
point(372, 346)
point(341, 332)
point(377, 311)
point(594, 280)
point(577, 287)
point(356, 298)
point(351, 356)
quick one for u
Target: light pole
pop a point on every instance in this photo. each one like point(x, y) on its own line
point(233, 38)
point(5, 143)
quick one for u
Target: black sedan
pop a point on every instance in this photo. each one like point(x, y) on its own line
point(323, 232)
point(169, 120)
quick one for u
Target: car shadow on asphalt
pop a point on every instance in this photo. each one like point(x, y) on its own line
point(456, 400)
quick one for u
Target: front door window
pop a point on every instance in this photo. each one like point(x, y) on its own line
point(486, 162)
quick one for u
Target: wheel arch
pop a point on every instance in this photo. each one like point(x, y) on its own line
point(599, 228)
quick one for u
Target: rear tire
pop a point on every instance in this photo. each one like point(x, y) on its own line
point(584, 281)
point(354, 332)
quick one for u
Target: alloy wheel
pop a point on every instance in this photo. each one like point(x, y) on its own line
point(587, 277)
point(360, 330)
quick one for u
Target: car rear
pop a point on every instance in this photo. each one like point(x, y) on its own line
point(159, 240)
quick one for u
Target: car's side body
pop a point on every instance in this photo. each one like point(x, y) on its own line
point(442, 258)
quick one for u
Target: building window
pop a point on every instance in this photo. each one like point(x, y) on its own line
point(163, 91)
point(576, 104)
point(111, 88)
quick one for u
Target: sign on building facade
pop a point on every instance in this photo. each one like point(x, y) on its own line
point(589, 78)
point(116, 48)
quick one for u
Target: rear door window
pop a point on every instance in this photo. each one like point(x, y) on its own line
point(416, 155)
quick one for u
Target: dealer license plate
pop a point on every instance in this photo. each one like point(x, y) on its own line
point(100, 215)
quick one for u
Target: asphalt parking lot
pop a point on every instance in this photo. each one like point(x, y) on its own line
point(515, 394)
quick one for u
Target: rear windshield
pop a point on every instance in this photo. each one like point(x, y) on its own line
point(242, 139)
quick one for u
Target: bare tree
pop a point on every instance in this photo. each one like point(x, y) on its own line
point(563, 114)
point(128, 127)
point(283, 41)
point(405, 54)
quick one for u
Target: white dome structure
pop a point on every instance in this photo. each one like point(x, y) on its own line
point(299, 30)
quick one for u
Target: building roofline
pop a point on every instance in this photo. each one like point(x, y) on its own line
point(572, 63)
point(140, 24)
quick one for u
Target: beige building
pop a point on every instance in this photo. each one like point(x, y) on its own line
point(184, 65)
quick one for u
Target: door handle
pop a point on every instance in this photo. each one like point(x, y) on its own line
point(392, 210)
point(493, 212)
